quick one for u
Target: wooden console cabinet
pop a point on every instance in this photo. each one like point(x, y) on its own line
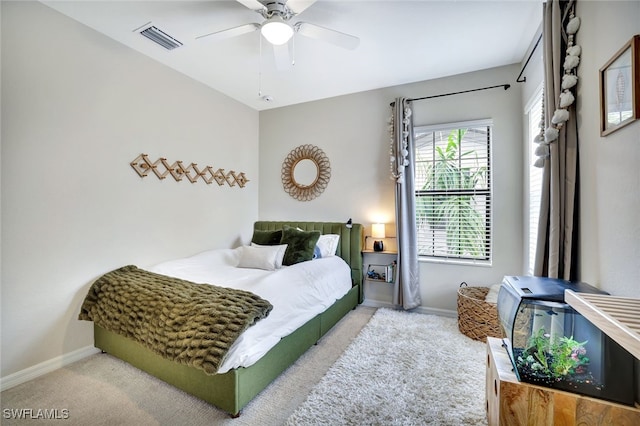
point(513, 403)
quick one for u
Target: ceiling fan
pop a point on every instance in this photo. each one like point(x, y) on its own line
point(278, 30)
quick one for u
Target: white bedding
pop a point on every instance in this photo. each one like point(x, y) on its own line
point(297, 293)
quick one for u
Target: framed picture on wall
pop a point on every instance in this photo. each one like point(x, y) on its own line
point(620, 88)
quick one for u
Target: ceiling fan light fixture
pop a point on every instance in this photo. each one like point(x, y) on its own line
point(276, 31)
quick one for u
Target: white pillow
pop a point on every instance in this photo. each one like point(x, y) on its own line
point(262, 257)
point(492, 295)
point(328, 244)
point(281, 249)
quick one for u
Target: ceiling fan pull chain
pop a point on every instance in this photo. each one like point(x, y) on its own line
point(293, 47)
point(260, 67)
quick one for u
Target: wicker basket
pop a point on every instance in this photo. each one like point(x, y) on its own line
point(476, 318)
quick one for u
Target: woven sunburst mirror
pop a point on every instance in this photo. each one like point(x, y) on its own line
point(306, 172)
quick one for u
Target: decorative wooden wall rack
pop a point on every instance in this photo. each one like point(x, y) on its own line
point(161, 168)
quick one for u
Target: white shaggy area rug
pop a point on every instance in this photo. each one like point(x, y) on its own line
point(402, 369)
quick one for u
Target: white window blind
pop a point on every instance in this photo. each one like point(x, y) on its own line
point(534, 181)
point(453, 190)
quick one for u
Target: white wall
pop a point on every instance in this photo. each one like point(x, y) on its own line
point(532, 75)
point(352, 130)
point(609, 171)
point(77, 108)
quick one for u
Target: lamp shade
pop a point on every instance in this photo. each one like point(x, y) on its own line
point(276, 31)
point(377, 230)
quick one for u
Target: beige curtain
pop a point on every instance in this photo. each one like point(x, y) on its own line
point(558, 225)
point(407, 279)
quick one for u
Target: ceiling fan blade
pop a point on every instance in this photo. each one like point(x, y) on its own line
point(317, 32)
point(282, 57)
point(299, 6)
point(231, 32)
point(252, 4)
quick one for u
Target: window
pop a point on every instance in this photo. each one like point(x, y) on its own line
point(534, 181)
point(453, 191)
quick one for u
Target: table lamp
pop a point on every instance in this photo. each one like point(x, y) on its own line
point(378, 231)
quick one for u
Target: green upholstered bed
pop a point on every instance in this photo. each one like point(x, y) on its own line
point(232, 390)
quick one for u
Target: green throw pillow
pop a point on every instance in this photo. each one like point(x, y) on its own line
point(300, 244)
point(266, 238)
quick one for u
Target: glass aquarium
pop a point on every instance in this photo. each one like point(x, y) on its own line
point(552, 345)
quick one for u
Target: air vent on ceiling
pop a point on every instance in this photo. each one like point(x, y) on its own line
point(160, 37)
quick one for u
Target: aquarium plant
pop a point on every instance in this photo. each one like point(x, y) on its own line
point(552, 358)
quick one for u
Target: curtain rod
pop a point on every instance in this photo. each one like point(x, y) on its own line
point(505, 86)
point(527, 63)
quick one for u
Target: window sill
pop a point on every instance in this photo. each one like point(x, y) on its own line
point(455, 262)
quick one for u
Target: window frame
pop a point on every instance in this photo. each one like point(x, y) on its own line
point(532, 119)
point(488, 193)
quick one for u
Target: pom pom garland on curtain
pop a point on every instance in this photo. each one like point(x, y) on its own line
point(399, 150)
point(569, 80)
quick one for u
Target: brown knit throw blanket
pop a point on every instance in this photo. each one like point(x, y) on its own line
point(193, 324)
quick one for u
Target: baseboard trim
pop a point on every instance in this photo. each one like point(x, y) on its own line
point(378, 304)
point(420, 309)
point(45, 367)
point(436, 311)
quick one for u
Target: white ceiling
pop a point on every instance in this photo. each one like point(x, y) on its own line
point(400, 42)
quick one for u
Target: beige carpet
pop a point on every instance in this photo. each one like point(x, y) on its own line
point(101, 390)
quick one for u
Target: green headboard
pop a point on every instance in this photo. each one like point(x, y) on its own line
point(350, 247)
